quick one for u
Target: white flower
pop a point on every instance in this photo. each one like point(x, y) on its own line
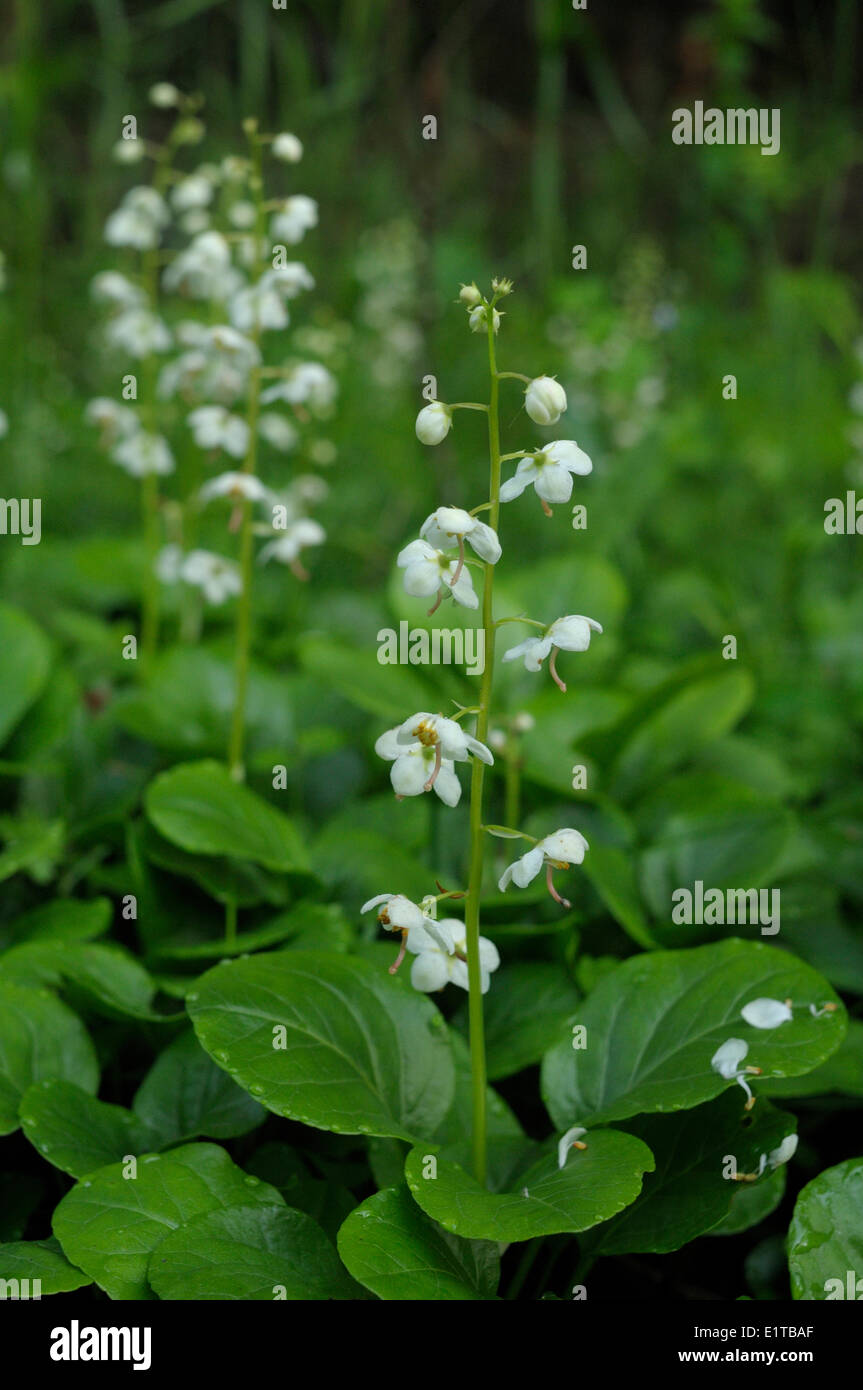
point(449, 526)
point(287, 547)
point(416, 769)
point(470, 295)
point(418, 929)
point(478, 319)
point(569, 1141)
point(164, 94)
point(258, 306)
point(224, 339)
point(138, 332)
point(215, 428)
point(445, 963)
point(183, 375)
point(569, 634)
point(194, 222)
point(203, 270)
point(110, 287)
point(556, 851)
point(288, 148)
point(766, 1013)
point(138, 220)
point(429, 571)
point(726, 1060)
point(544, 400)
point(296, 217)
point(144, 453)
point(550, 470)
point(290, 279)
point(242, 214)
point(433, 423)
point(128, 151)
point(217, 578)
point(194, 191)
point(448, 740)
point(116, 421)
point(237, 486)
point(277, 431)
point(309, 383)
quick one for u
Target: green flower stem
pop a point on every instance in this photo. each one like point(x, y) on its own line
point(477, 841)
point(243, 640)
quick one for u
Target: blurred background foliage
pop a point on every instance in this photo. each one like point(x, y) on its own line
point(705, 515)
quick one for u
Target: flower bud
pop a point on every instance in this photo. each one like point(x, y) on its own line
point(501, 285)
point(545, 400)
point(164, 94)
point(470, 295)
point(288, 148)
point(433, 423)
point(478, 319)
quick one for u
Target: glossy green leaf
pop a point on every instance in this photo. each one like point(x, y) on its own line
point(531, 1006)
point(76, 1132)
point(391, 1247)
point(40, 1038)
point(690, 1190)
point(185, 1095)
point(200, 808)
point(110, 1224)
point(41, 1260)
point(654, 1024)
point(594, 1184)
point(362, 1054)
point(825, 1239)
point(249, 1253)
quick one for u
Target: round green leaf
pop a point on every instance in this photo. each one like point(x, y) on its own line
point(689, 1193)
point(76, 1132)
point(110, 1225)
point(594, 1184)
point(104, 978)
point(362, 1054)
point(41, 1260)
point(825, 1239)
point(199, 807)
point(185, 1094)
point(654, 1023)
point(39, 1038)
point(250, 1253)
point(392, 1247)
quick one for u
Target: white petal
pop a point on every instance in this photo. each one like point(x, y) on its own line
point(727, 1058)
point(766, 1013)
point(374, 902)
point(566, 1142)
point(568, 845)
point(525, 869)
point(423, 579)
point(429, 971)
point(414, 551)
point(484, 540)
point(479, 750)
point(787, 1149)
point(447, 785)
point(553, 483)
point(409, 775)
point(388, 746)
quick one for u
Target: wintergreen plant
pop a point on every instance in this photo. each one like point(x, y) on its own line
point(424, 749)
point(215, 399)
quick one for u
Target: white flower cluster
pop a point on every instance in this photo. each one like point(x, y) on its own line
point(240, 276)
point(439, 948)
